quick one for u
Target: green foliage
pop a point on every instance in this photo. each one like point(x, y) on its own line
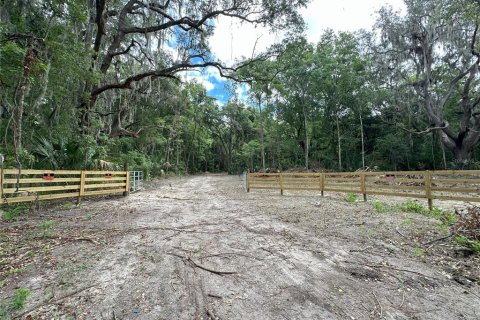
point(13, 211)
point(474, 245)
point(351, 197)
point(20, 298)
point(338, 85)
point(413, 207)
point(14, 271)
point(47, 228)
point(419, 252)
point(381, 207)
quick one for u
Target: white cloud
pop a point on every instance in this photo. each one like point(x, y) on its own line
point(233, 39)
point(198, 77)
point(343, 15)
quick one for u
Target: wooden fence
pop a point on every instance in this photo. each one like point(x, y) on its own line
point(32, 185)
point(461, 185)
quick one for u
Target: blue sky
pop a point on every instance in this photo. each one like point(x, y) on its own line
point(233, 40)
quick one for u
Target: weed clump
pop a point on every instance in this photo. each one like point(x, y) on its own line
point(351, 197)
point(13, 211)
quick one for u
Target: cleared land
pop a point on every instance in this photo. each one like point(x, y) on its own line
point(200, 248)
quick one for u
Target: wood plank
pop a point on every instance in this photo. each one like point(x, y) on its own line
point(40, 197)
point(409, 195)
point(105, 185)
point(127, 184)
point(464, 181)
point(453, 190)
point(368, 179)
point(475, 199)
point(340, 179)
point(397, 187)
point(40, 189)
point(1, 183)
point(104, 192)
point(82, 185)
point(348, 185)
point(266, 188)
point(40, 180)
point(342, 190)
point(113, 178)
point(31, 171)
point(123, 173)
point(302, 189)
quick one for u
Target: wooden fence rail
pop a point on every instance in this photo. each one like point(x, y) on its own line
point(32, 185)
point(461, 185)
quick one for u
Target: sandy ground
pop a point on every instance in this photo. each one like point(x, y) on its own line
point(201, 248)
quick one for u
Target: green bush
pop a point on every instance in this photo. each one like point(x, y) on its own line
point(351, 197)
point(19, 299)
point(13, 211)
point(381, 207)
point(47, 227)
point(412, 207)
point(474, 245)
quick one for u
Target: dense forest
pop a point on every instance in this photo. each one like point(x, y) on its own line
point(89, 82)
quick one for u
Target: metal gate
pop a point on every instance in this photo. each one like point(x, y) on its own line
point(136, 180)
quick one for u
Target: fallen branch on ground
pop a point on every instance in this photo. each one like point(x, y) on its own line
point(193, 263)
point(439, 239)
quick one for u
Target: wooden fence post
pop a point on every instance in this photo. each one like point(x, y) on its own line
point(322, 183)
point(281, 185)
point(82, 186)
point(1, 185)
point(247, 178)
point(363, 186)
point(127, 182)
point(428, 189)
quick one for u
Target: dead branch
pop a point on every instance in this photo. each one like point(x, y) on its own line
point(194, 264)
point(439, 239)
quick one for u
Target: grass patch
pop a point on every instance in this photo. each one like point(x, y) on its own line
point(419, 252)
point(68, 206)
point(351, 197)
point(474, 245)
point(20, 298)
point(381, 207)
point(47, 228)
point(412, 207)
point(14, 211)
point(17, 303)
point(14, 271)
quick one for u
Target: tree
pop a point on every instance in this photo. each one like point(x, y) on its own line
point(145, 31)
point(432, 52)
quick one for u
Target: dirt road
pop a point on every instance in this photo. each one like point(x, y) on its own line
point(200, 248)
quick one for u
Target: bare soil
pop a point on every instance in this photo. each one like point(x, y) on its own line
point(199, 247)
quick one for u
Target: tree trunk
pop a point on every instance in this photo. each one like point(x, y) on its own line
point(363, 139)
point(262, 136)
point(23, 88)
point(306, 137)
point(339, 144)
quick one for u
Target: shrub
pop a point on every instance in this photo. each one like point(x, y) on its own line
point(351, 197)
point(47, 228)
point(13, 211)
point(19, 298)
point(474, 245)
point(381, 206)
point(413, 207)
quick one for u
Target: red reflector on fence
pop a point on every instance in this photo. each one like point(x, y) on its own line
point(108, 175)
point(48, 176)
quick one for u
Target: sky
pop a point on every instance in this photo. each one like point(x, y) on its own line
point(233, 40)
